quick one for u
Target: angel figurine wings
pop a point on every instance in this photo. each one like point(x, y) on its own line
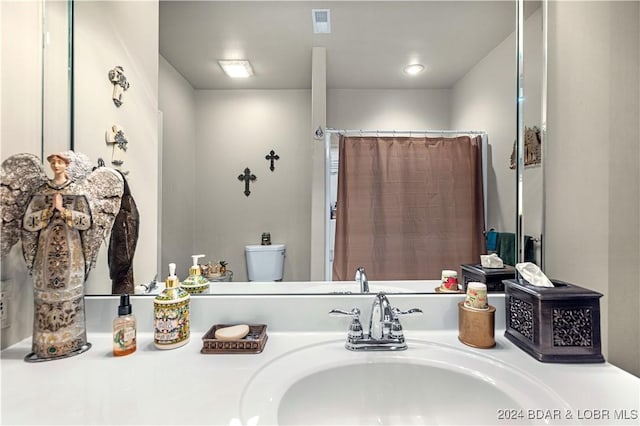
point(61, 223)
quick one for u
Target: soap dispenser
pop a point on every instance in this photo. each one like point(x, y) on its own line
point(195, 283)
point(171, 314)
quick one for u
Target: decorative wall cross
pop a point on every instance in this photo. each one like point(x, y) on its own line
point(120, 84)
point(247, 177)
point(271, 157)
point(115, 136)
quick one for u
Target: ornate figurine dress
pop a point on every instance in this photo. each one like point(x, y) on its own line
point(59, 270)
point(59, 245)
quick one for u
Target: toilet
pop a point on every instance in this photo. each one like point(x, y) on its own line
point(265, 263)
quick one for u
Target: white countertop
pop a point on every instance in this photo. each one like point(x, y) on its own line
point(183, 386)
point(313, 287)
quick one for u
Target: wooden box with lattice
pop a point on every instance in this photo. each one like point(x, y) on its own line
point(558, 324)
point(252, 343)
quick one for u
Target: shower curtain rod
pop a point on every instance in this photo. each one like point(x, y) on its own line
point(410, 132)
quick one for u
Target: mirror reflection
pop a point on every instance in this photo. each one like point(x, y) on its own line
point(184, 165)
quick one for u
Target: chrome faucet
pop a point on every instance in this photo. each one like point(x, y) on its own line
point(385, 330)
point(381, 317)
point(361, 278)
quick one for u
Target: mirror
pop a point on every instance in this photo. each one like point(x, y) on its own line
point(534, 120)
point(211, 128)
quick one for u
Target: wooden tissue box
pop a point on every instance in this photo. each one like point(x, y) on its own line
point(492, 277)
point(558, 324)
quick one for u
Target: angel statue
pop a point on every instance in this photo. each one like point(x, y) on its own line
point(62, 223)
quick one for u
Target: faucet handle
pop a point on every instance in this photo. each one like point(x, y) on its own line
point(355, 328)
point(355, 312)
point(396, 328)
point(397, 311)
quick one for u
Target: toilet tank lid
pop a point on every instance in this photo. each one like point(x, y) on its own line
point(259, 247)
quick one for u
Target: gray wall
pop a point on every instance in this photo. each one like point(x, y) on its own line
point(176, 99)
point(126, 34)
point(485, 98)
point(134, 47)
point(236, 129)
point(388, 109)
point(20, 132)
point(593, 225)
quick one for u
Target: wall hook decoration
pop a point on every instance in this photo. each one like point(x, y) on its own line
point(532, 148)
point(271, 157)
point(116, 138)
point(247, 176)
point(120, 84)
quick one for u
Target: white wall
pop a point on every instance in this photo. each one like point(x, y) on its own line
point(236, 129)
point(593, 224)
point(56, 83)
point(388, 109)
point(176, 98)
point(106, 34)
point(20, 115)
point(485, 98)
point(21, 62)
point(126, 34)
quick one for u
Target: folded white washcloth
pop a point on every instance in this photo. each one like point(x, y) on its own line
point(491, 261)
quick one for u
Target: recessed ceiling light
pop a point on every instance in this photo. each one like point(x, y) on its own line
point(236, 68)
point(414, 69)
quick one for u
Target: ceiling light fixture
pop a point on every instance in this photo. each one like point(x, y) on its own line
point(236, 68)
point(414, 69)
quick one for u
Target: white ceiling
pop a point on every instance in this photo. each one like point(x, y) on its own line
point(369, 44)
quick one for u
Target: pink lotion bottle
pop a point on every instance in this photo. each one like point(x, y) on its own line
point(124, 329)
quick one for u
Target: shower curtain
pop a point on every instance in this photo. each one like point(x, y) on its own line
point(408, 207)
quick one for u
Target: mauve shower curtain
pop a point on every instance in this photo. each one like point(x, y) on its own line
point(408, 207)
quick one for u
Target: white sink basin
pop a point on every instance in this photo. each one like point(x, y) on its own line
point(427, 384)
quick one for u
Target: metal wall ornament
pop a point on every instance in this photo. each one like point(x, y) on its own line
point(247, 177)
point(271, 157)
point(532, 148)
point(115, 137)
point(120, 84)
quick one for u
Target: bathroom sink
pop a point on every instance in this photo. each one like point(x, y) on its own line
point(429, 383)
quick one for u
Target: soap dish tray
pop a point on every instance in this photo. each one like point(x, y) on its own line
point(252, 343)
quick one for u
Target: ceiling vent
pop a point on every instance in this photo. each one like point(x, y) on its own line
point(321, 21)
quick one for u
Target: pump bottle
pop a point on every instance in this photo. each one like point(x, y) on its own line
point(195, 283)
point(171, 314)
point(124, 329)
